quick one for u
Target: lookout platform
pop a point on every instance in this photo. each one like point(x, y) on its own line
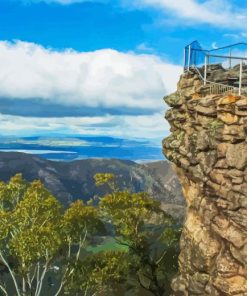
point(222, 70)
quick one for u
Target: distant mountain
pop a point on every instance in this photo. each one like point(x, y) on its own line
point(72, 180)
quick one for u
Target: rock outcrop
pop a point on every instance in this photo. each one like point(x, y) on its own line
point(208, 149)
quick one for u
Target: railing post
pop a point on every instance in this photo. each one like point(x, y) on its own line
point(230, 59)
point(189, 57)
point(195, 52)
point(205, 69)
point(184, 58)
point(240, 77)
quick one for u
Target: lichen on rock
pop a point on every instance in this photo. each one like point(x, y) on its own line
point(208, 148)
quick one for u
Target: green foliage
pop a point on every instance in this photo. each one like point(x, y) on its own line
point(101, 271)
point(80, 218)
point(173, 99)
point(193, 138)
point(12, 192)
point(41, 239)
point(128, 213)
point(35, 231)
point(176, 139)
point(30, 231)
point(5, 226)
point(150, 234)
point(103, 178)
point(35, 226)
point(215, 126)
point(106, 178)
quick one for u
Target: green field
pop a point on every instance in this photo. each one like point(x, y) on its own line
point(109, 244)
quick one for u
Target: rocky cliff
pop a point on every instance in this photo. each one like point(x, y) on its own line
point(208, 149)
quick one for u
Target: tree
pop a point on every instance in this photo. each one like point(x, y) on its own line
point(36, 232)
point(104, 273)
point(32, 236)
point(41, 241)
point(79, 222)
point(12, 192)
point(150, 234)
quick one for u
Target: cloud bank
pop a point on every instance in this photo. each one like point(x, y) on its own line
point(218, 13)
point(221, 13)
point(103, 78)
point(142, 126)
point(63, 2)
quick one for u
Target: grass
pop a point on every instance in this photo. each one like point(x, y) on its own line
point(109, 244)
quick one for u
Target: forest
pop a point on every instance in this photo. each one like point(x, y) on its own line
point(47, 249)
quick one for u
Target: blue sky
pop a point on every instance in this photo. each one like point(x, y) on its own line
point(101, 67)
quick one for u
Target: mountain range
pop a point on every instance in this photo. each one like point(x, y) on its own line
point(74, 180)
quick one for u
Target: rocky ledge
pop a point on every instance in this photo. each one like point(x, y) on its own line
point(208, 149)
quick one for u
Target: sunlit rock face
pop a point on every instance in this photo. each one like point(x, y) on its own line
point(208, 148)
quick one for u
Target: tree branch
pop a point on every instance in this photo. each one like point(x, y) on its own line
point(11, 273)
point(42, 278)
point(37, 281)
point(162, 256)
point(23, 285)
point(69, 249)
point(63, 281)
point(85, 293)
point(48, 260)
point(4, 290)
point(81, 243)
point(33, 277)
point(64, 278)
point(29, 279)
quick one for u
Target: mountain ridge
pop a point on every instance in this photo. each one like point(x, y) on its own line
point(72, 180)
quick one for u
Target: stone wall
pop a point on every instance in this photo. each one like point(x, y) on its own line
point(208, 149)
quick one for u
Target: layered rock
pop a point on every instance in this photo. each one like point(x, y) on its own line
point(208, 149)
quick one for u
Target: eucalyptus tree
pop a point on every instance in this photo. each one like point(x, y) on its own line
point(102, 273)
point(39, 239)
point(36, 235)
point(149, 233)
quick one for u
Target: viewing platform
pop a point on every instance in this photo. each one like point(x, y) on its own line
point(222, 70)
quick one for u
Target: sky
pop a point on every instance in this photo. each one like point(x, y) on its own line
point(102, 67)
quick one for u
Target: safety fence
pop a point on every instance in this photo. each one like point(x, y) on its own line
point(224, 69)
point(219, 89)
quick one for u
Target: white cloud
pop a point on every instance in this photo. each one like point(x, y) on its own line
point(214, 12)
point(63, 2)
point(101, 78)
point(236, 36)
point(144, 47)
point(142, 126)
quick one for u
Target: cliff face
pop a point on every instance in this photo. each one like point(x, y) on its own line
point(208, 148)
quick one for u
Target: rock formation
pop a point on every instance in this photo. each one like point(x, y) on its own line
point(208, 148)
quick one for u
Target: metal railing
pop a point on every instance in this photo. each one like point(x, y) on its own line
point(198, 58)
point(216, 88)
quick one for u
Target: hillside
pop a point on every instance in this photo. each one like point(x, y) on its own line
point(73, 180)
